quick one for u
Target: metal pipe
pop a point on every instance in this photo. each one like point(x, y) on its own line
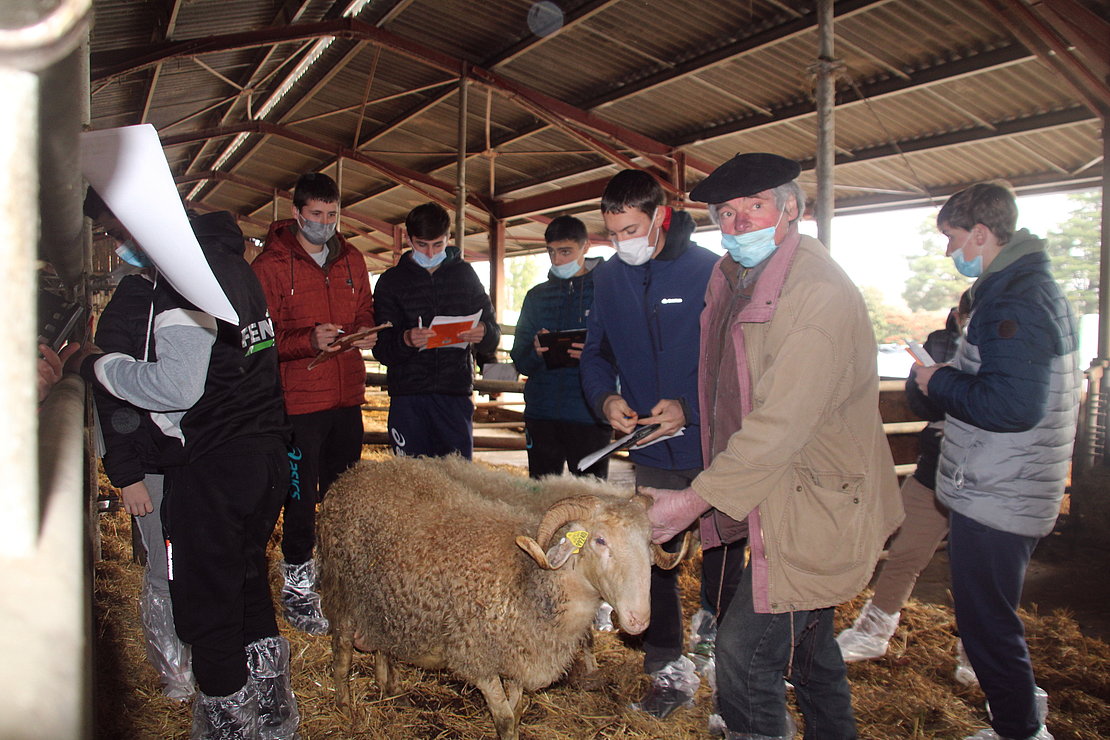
point(44, 676)
point(460, 175)
point(826, 67)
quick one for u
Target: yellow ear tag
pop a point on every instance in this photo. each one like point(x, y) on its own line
point(578, 538)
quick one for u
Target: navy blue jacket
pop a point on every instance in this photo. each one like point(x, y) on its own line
point(644, 333)
point(407, 294)
point(555, 305)
point(1020, 321)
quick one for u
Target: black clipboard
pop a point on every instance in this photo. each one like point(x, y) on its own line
point(558, 347)
point(623, 443)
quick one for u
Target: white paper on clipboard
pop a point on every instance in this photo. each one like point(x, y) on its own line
point(127, 168)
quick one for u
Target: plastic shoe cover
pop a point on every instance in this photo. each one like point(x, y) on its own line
point(603, 620)
point(989, 734)
point(299, 601)
point(701, 643)
point(167, 653)
point(268, 663)
point(965, 674)
point(869, 635)
point(231, 717)
point(672, 686)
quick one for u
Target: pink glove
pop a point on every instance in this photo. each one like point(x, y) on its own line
point(673, 511)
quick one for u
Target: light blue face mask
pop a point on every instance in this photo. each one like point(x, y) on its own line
point(566, 271)
point(429, 262)
point(130, 253)
point(971, 269)
point(752, 248)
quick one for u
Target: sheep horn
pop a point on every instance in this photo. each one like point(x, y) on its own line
point(561, 512)
point(670, 560)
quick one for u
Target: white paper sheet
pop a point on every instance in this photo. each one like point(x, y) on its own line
point(128, 169)
point(450, 326)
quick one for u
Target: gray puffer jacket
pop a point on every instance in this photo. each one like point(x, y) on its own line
point(1012, 398)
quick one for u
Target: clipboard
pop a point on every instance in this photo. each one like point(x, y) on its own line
point(558, 347)
point(624, 442)
point(344, 343)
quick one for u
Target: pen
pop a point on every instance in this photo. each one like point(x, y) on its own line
point(419, 322)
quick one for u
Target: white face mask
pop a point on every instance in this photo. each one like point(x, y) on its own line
point(638, 249)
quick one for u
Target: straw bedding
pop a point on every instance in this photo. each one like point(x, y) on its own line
point(910, 693)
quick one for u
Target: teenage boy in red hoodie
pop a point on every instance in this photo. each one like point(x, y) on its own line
point(317, 288)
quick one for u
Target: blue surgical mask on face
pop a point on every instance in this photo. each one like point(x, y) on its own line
point(429, 262)
point(971, 269)
point(130, 253)
point(566, 270)
point(753, 247)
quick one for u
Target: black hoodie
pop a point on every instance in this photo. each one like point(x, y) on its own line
point(242, 399)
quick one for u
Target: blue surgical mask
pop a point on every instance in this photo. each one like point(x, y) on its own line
point(130, 253)
point(972, 269)
point(566, 271)
point(753, 247)
point(429, 262)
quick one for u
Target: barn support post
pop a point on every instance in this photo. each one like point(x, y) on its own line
point(826, 68)
point(497, 266)
point(460, 175)
point(44, 551)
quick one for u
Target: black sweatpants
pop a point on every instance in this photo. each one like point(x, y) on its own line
point(553, 444)
point(432, 425)
point(325, 443)
point(218, 514)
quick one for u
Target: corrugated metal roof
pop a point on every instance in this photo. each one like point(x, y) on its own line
point(931, 96)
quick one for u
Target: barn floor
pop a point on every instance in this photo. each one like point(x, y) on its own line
point(909, 693)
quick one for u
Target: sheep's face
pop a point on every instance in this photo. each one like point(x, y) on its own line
point(616, 559)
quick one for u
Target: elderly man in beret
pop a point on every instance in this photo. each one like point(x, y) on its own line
point(788, 391)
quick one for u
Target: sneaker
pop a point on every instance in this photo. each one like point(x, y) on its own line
point(300, 604)
point(869, 635)
point(672, 686)
point(989, 734)
point(965, 674)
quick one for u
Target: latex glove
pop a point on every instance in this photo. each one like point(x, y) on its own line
point(673, 511)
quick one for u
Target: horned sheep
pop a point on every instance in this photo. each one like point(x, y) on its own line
point(443, 564)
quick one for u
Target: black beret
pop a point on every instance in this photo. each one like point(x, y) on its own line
point(744, 175)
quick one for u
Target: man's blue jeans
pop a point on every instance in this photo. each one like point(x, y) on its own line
point(755, 652)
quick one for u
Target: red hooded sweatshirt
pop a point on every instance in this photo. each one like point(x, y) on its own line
point(301, 295)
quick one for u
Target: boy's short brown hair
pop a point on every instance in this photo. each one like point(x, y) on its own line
point(992, 204)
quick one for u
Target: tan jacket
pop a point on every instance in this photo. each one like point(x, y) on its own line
point(811, 467)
